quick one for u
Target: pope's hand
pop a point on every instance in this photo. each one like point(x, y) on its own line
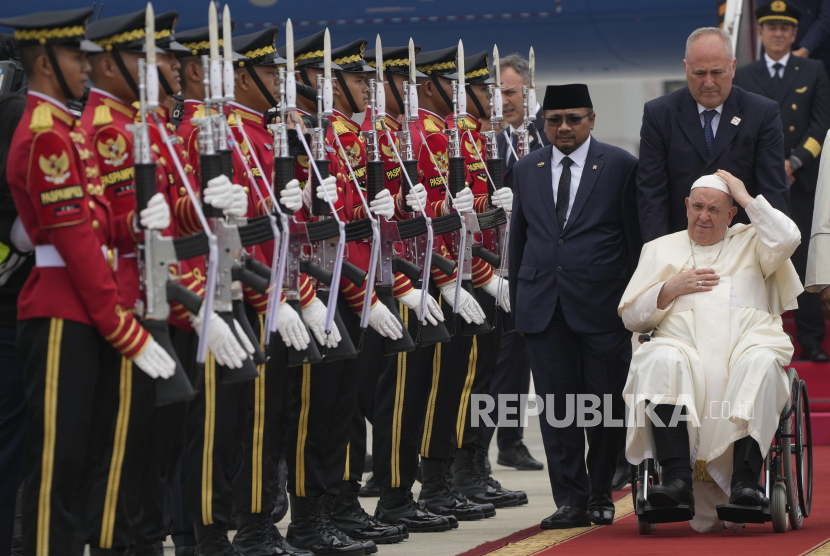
point(691, 281)
point(736, 188)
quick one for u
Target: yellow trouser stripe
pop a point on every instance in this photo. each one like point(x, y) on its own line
point(207, 453)
point(436, 372)
point(302, 432)
point(50, 423)
point(465, 394)
point(119, 444)
point(346, 471)
point(396, 416)
point(259, 429)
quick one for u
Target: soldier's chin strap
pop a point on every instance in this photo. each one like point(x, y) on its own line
point(472, 96)
point(269, 98)
point(395, 92)
point(442, 92)
point(50, 52)
point(304, 77)
point(168, 90)
point(119, 61)
point(345, 86)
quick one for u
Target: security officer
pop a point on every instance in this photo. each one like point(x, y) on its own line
point(800, 86)
point(75, 332)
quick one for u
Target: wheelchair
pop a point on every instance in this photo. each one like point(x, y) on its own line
point(787, 477)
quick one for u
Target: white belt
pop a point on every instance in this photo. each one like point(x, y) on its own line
point(46, 256)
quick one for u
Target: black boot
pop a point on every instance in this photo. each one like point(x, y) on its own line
point(149, 549)
point(469, 479)
point(95, 551)
point(253, 538)
point(396, 506)
point(185, 551)
point(282, 547)
point(369, 546)
point(481, 460)
point(281, 503)
point(348, 516)
point(309, 529)
point(370, 488)
point(437, 493)
point(212, 540)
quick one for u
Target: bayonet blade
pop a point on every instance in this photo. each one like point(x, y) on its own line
point(289, 46)
point(532, 59)
point(379, 59)
point(327, 55)
point(227, 41)
point(213, 32)
point(150, 31)
point(412, 70)
point(460, 65)
point(496, 69)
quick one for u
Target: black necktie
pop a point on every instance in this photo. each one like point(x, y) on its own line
point(563, 196)
point(776, 77)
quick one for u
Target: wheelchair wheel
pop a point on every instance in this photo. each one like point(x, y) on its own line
point(778, 507)
point(789, 433)
point(638, 473)
point(804, 452)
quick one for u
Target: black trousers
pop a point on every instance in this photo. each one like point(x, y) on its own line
point(480, 368)
point(72, 390)
point(266, 422)
point(450, 365)
point(511, 376)
point(370, 363)
point(808, 317)
point(12, 430)
point(568, 363)
point(400, 396)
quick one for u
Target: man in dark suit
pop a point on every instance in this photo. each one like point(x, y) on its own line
point(800, 87)
point(512, 373)
point(570, 261)
point(813, 40)
point(707, 126)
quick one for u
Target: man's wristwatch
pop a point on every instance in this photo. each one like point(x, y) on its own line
point(795, 162)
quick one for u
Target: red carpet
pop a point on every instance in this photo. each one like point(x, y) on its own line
point(678, 538)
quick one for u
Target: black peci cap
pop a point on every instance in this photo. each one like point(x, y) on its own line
point(66, 28)
point(562, 97)
point(778, 12)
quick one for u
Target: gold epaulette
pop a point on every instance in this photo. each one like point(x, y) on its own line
point(102, 116)
point(41, 118)
point(430, 127)
point(339, 127)
point(232, 119)
point(466, 123)
point(200, 112)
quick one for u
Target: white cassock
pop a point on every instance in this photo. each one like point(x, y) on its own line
point(818, 262)
point(719, 353)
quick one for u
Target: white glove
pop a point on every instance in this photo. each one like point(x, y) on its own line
point(157, 214)
point(291, 328)
point(19, 237)
point(221, 342)
point(492, 287)
point(412, 300)
point(292, 196)
point(421, 194)
point(155, 362)
point(219, 193)
point(239, 202)
point(504, 199)
point(315, 318)
point(463, 201)
point(468, 307)
point(383, 205)
point(329, 184)
point(382, 320)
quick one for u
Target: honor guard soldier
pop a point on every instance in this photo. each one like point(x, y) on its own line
point(800, 87)
point(75, 330)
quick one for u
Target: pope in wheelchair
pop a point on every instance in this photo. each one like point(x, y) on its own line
point(706, 392)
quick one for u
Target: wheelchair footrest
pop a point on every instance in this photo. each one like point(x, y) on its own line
point(663, 514)
point(744, 514)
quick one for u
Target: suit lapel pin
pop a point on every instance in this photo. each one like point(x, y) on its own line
point(595, 167)
point(540, 164)
point(736, 120)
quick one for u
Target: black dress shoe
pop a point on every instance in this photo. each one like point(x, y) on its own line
point(518, 456)
point(567, 517)
point(814, 353)
point(370, 488)
point(671, 494)
point(601, 509)
point(744, 494)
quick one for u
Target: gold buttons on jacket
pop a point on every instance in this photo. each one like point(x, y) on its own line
point(794, 106)
point(92, 205)
point(182, 191)
point(792, 128)
point(246, 190)
point(95, 224)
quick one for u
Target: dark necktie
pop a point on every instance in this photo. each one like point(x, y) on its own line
point(563, 195)
point(708, 134)
point(776, 77)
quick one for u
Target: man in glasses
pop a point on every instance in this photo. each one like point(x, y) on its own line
point(573, 246)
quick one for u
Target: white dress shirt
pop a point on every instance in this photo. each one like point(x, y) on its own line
point(715, 121)
point(771, 62)
point(578, 157)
